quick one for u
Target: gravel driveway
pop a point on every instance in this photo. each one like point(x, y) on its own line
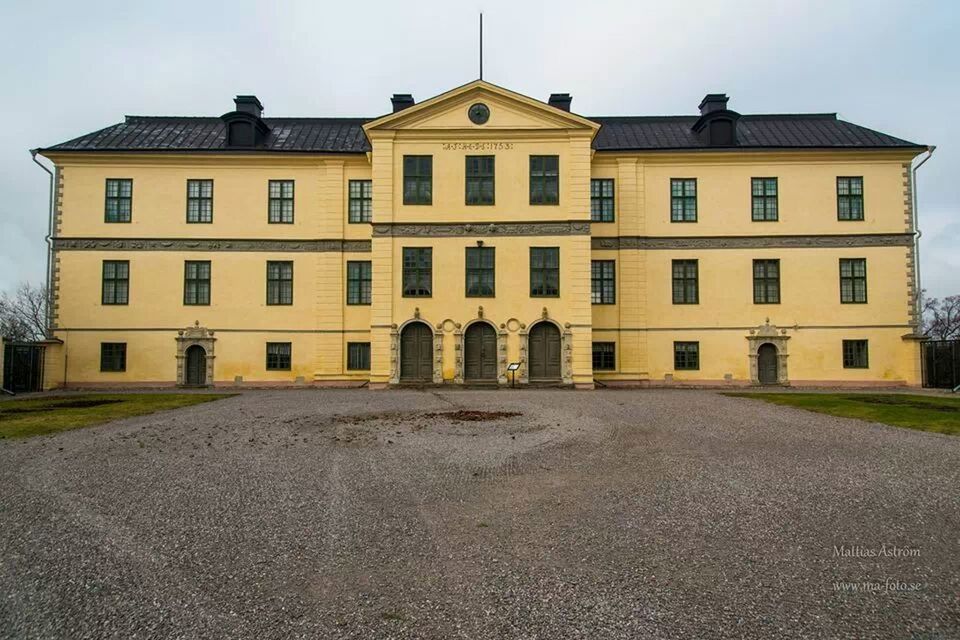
point(361, 514)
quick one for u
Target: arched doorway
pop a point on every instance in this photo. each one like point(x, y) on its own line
point(480, 353)
point(767, 364)
point(544, 353)
point(196, 366)
point(416, 353)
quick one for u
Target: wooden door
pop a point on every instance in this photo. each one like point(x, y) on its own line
point(416, 353)
point(544, 352)
point(196, 366)
point(767, 364)
point(480, 352)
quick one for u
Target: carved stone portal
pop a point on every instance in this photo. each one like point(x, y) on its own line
point(186, 338)
point(768, 334)
point(395, 332)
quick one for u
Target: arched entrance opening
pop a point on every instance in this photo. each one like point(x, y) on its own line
point(196, 373)
point(480, 353)
point(767, 364)
point(544, 353)
point(416, 353)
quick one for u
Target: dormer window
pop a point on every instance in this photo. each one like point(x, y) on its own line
point(245, 127)
point(717, 125)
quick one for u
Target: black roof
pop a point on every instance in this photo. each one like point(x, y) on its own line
point(617, 133)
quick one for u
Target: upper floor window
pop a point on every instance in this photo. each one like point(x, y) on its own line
point(278, 356)
point(544, 272)
point(853, 280)
point(544, 179)
point(281, 202)
point(359, 279)
point(481, 272)
point(601, 200)
point(766, 282)
point(686, 287)
point(764, 199)
point(417, 179)
point(683, 199)
point(603, 282)
point(480, 180)
point(850, 198)
point(855, 354)
point(360, 205)
point(113, 356)
point(279, 282)
point(417, 272)
point(116, 282)
point(196, 282)
point(199, 200)
point(119, 201)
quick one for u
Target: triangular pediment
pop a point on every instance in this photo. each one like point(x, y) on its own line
point(508, 110)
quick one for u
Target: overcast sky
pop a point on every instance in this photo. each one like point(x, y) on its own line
point(73, 67)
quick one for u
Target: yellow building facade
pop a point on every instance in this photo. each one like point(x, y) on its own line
point(453, 240)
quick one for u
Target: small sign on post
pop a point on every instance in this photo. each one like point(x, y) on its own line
point(512, 368)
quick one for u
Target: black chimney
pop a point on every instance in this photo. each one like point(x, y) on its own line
point(401, 101)
point(249, 104)
point(560, 101)
point(713, 102)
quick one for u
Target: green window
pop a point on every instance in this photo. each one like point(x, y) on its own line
point(113, 356)
point(853, 280)
point(359, 279)
point(360, 205)
point(116, 282)
point(417, 179)
point(481, 272)
point(764, 199)
point(200, 201)
point(280, 209)
point(766, 282)
point(196, 282)
point(686, 286)
point(855, 354)
point(358, 356)
point(686, 356)
point(279, 282)
point(480, 180)
point(683, 199)
point(850, 198)
point(603, 281)
point(417, 272)
point(601, 200)
point(544, 272)
point(544, 179)
point(278, 356)
point(118, 206)
point(604, 356)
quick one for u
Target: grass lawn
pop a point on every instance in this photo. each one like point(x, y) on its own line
point(939, 414)
point(37, 416)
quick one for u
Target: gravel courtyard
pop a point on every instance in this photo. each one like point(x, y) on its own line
point(362, 514)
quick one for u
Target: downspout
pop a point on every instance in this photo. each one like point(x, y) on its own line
point(49, 240)
point(916, 238)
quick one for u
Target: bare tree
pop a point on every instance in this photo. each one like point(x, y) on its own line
point(23, 315)
point(941, 318)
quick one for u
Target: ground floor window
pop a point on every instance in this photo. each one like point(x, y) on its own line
point(686, 356)
point(358, 356)
point(113, 356)
point(278, 356)
point(604, 356)
point(855, 354)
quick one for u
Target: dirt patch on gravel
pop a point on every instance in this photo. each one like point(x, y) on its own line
point(464, 415)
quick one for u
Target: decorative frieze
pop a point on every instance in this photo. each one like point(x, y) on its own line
point(209, 244)
point(754, 242)
point(445, 230)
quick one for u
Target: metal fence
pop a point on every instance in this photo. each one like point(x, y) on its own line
point(940, 362)
point(22, 366)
